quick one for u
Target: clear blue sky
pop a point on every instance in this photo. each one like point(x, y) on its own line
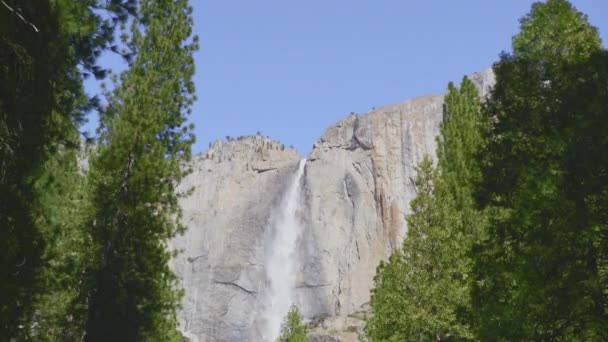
point(291, 68)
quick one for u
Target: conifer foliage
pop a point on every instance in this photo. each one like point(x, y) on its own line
point(293, 329)
point(515, 214)
point(542, 273)
point(423, 291)
point(139, 161)
point(47, 48)
point(83, 249)
point(59, 303)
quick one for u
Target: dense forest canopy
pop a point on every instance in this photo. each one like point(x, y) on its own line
point(84, 248)
point(507, 239)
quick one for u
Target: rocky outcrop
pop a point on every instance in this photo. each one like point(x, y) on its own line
point(357, 186)
point(359, 182)
point(235, 184)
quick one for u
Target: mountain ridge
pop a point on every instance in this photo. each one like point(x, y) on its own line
point(356, 189)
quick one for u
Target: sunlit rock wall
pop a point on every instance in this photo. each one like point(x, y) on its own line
point(357, 187)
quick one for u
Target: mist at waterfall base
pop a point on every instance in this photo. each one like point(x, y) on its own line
point(281, 264)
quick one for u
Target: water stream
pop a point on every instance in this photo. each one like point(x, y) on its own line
point(281, 263)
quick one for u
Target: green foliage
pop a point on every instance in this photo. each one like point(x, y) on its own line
point(541, 274)
point(58, 252)
point(42, 46)
point(458, 147)
point(554, 32)
point(138, 163)
point(423, 292)
point(60, 301)
point(25, 106)
point(420, 293)
point(293, 329)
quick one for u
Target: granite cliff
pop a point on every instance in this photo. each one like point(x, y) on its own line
point(354, 195)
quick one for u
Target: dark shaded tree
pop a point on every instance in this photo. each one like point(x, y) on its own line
point(542, 272)
point(46, 50)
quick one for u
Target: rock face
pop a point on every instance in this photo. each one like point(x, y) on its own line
point(357, 186)
point(236, 184)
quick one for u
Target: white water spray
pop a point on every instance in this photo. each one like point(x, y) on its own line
point(281, 258)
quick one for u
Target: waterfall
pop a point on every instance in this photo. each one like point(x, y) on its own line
point(281, 258)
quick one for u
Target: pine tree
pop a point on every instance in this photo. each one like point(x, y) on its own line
point(542, 272)
point(458, 148)
point(292, 328)
point(59, 303)
point(46, 50)
point(138, 163)
point(423, 291)
point(26, 103)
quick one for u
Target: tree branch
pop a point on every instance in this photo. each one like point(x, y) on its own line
point(20, 16)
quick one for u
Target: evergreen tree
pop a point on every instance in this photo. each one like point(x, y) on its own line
point(420, 293)
point(59, 303)
point(42, 45)
point(423, 292)
point(26, 104)
point(292, 328)
point(458, 148)
point(138, 163)
point(542, 272)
